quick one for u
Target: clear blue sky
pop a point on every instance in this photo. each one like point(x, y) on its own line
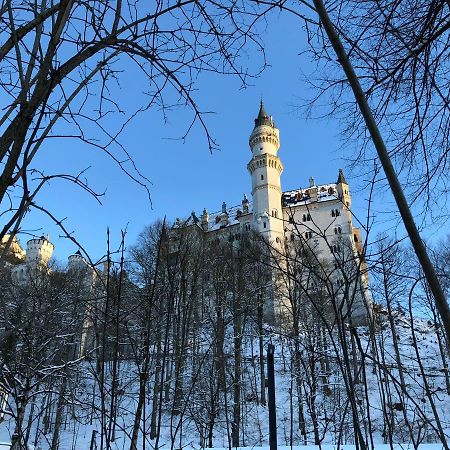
point(185, 176)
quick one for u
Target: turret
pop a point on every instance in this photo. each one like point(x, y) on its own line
point(76, 261)
point(265, 168)
point(343, 189)
point(39, 250)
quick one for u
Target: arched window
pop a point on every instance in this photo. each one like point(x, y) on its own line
point(304, 217)
point(274, 213)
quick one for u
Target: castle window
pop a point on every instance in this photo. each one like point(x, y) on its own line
point(291, 219)
point(308, 217)
point(274, 213)
point(262, 177)
point(278, 240)
point(308, 235)
point(337, 230)
point(304, 217)
point(292, 237)
point(355, 238)
point(247, 226)
point(264, 225)
point(335, 213)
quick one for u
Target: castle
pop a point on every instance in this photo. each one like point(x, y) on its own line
point(317, 218)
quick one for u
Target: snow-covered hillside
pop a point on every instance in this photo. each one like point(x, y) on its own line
point(313, 396)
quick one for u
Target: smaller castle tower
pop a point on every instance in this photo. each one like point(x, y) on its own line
point(343, 189)
point(76, 261)
point(39, 250)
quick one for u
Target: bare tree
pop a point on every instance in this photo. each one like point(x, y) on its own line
point(62, 67)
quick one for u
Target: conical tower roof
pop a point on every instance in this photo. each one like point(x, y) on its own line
point(341, 177)
point(263, 118)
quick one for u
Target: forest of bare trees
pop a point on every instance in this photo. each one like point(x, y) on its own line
point(163, 344)
point(174, 349)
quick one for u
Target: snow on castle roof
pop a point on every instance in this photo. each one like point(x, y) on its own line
point(325, 192)
point(215, 219)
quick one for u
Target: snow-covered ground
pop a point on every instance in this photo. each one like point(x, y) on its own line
point(181, 430)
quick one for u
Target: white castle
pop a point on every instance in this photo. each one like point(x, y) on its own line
point(318, 216)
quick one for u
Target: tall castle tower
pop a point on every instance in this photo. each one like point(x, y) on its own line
point(265, 168)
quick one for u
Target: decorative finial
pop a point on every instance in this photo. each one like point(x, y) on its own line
point(224, 207)
point(245, 204)
point(311, 182)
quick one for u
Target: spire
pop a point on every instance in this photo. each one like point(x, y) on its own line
point(263, 118)
point(341, 177)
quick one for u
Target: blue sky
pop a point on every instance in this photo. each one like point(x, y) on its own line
point(184, 175)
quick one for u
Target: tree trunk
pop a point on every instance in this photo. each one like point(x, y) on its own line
point(59, 414)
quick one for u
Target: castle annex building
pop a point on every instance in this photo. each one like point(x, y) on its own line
point(318, 217)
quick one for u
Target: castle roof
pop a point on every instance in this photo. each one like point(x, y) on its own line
point(215, 219)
